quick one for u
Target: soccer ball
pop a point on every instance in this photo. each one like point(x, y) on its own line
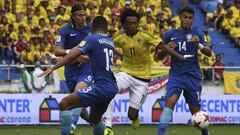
point(200, 120)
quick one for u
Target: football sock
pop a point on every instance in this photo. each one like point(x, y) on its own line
point(85, 115)
point(204, 131)
point(108, 114)
point(98, 129)
point(164, 120)
point(65, 122)
point(75, 115)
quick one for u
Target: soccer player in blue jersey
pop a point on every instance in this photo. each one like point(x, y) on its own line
point(77, 75)
point(185, 74)
point(100, 49)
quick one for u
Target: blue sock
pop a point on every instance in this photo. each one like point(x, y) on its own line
point(98, 129)
point(204, 131)
point(75, 115)
point(65, 122)
point(164, 120)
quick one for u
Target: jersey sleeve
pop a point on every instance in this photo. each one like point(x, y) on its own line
point(152, 40)
point(61, 37)
point(85, 46)
point(201, 37)
point(116, 40)
point(166, 37)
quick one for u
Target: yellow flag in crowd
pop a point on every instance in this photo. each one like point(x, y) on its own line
point(232, 82)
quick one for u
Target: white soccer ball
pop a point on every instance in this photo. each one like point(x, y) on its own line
point(200, 120)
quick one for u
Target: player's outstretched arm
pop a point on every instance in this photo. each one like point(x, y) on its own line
point(66, 60)
point(60, 51)
point(161, 52)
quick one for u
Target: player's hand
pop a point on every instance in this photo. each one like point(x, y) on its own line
point(195, 39)
point(82, 59)
point(47, 72)
point(172, 44)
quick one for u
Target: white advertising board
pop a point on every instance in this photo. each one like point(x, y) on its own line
point(17, 109)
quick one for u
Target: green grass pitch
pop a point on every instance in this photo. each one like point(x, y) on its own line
point(121, 130)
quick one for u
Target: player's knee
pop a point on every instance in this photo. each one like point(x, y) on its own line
point(170, 102)
point(63, 105)
point(94, 119)
point(194, 109)
point(133, 113)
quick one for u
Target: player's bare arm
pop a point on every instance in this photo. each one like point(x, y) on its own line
point(204, 49)
point(161, 52)
point(66, 60)
point(60, 51)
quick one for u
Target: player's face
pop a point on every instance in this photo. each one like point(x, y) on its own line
point(186, 20)
point(79, 18)
point(131, 25)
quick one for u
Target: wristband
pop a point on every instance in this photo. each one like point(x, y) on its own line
point(67, 51)
point(188, 56)
point(200, 46)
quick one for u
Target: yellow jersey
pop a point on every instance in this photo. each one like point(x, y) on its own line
point(136, 53)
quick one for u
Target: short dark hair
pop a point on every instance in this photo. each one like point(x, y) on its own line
point(126, 13)
point(77, 7)
point(187, 9)
point(99, 22)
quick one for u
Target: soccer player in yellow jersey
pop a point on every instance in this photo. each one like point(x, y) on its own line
point(135, 72)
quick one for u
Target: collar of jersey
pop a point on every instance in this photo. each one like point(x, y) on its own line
point(103, 34)
point(75, 27)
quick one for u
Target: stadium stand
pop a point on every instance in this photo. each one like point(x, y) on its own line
point(28, 28)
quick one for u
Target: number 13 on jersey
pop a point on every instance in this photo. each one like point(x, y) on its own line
point(109, 59)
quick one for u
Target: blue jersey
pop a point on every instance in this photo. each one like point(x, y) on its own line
point(185, 46)
point(100, 48)
point(69, 37)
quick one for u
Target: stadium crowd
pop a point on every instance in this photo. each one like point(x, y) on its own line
point(28, 28)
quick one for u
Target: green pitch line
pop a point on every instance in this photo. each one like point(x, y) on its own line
point(120, 130)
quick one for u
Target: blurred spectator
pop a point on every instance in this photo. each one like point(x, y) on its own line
point(63, 14)
point(235, 9)
point(207, 37)
point(19, 46)
point(207, 72)
point(3, 47)
point(26, 82)
point(28, 56)
point(218, 68)
point(216, 16)
point(228, 22)
point(235, 33)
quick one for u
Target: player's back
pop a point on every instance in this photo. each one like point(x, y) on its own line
point(69, 38)
point(100, 48)
point(184, 46)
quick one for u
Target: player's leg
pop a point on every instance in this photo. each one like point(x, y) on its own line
point(166, 115)
point(173, 92)
point(67, 103)
point(108, 120)
point(82, 81)
point(95, 118)
point(137, 96)
point(192, 96)
point(76, 111)
point(122, 79)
